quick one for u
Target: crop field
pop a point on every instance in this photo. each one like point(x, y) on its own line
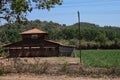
point(100, 58)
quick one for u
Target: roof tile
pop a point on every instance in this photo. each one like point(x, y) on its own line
point(34, 31)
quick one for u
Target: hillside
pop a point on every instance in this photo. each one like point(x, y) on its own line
point(92, 35)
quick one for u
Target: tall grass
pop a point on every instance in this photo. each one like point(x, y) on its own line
point(101, 58)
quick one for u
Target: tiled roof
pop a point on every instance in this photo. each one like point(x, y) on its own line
point(34, 31)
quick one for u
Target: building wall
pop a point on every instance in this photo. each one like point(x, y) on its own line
point(31, 46)
point(29, 36)
point(66, 51)
point(34, 52)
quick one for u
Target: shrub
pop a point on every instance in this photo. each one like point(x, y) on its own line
point(64, 68)
point(1, 71)
point(39, 69)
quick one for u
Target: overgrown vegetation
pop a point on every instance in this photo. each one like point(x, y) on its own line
point(39, 69)
point(24, 67)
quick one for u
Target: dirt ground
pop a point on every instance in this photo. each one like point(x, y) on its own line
point(51, 60)
point(49, 77)
point(54, 62)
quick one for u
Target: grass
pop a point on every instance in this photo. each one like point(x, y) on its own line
point(100, 58)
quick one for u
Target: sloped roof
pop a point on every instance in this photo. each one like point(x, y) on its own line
point(32, 43)
point(53, 42)
point(38, 43)
point(34, 31)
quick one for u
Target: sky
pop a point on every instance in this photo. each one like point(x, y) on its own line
point(100, 12)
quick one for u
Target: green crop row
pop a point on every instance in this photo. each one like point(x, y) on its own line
point(100, 58)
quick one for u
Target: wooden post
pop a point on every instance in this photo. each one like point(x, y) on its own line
point(29, 51)
point(22, 54)
point(79, 37)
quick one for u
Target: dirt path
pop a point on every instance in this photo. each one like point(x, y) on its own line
point(49, 77)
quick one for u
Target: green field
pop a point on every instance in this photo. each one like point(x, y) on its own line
point(100, 58)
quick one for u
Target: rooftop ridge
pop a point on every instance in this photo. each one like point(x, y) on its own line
point(34, 31)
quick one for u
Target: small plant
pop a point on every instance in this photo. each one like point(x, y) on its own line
point(41, 68)
point(64, 67)
point(1, 72)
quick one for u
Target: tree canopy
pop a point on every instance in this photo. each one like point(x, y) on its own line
point(16, 10)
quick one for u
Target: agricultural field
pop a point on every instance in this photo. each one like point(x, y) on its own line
point(100, 58)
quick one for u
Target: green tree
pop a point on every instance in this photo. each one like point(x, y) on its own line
point(89, 34)
point(16, 10)
point(101, 38)
point(116, 41)
point(111, 35)
point(9, 36)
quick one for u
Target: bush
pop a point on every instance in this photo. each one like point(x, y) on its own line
point(64, 68)
point(40, 68)
point(1, 72)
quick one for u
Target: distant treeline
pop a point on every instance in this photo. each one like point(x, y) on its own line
point(92, 36)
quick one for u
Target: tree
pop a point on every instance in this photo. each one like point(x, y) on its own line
point(16, 10)
point(101, 38)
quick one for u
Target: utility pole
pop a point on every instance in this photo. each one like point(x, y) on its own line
point(79, 37)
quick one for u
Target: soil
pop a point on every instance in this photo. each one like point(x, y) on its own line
point(49, 77)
